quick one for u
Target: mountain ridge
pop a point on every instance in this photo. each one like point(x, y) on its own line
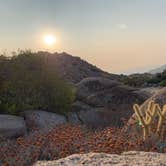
point(158, 70)
point(74, 69)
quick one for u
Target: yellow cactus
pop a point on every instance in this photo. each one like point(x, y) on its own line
point(147, 119)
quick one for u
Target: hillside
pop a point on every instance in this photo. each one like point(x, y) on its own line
point(44, 119)
point(74, 69)
point(158, 70)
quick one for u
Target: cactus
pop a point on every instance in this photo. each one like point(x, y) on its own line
point(147, 119)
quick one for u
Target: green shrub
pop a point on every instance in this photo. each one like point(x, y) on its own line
point(158, 79)
point(30, 82)
point(136, 80)
point(163, 83)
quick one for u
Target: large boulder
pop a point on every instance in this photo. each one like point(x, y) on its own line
point(131, 158)
point(42, 119)
point(12, 126)
point(77, 108)
point(119, 95)
point(103, 102)
point(80, 106)
point(91, 85)
point(150, 91)
point(99, 117)
point(133, 125)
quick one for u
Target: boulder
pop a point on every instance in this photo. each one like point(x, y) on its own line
point(42, 119)
point(103, 102)
point(73, 118)
point(131, 158)
point(80, 106)
point(91, 85)
point(99, 117)
point(77, 108)
point(12, 126)
point(149, 91)
point(118, 95)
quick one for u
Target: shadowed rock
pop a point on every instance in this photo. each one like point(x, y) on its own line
point(42, 119)
point(12, 126)
point(102, 102)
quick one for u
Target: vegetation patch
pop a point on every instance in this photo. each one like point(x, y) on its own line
point(29, 81)
point(68, 139)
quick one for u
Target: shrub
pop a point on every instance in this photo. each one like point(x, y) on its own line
point(163, 83)
point(30, 82)
point(136, 80)
point(159, 79)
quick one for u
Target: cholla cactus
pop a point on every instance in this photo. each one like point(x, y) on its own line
point(153, 119)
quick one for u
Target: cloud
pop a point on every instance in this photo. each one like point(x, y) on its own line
point(122, 26)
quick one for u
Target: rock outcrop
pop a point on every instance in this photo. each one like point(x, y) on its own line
point(42, 119)
point(91, 85)
point(12, 126)
point(132, 158)
point(102, 102)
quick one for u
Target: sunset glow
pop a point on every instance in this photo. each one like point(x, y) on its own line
point(49, 40)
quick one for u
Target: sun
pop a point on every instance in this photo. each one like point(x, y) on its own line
point(49, 39)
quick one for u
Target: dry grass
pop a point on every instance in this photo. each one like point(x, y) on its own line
point(65, 140)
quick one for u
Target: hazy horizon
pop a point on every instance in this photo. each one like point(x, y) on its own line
point(118, 36)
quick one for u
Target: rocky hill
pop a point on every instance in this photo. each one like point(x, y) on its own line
point(158, 70)
point(74, 69)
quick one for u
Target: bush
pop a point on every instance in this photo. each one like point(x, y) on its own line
point(159, 79)
point(163, 83)
point(136, 80)
point(28, 81)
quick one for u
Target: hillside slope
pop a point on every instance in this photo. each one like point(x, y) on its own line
point(74, 69)
point(158, 70)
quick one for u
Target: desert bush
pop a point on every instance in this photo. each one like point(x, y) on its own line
point(136, 80)
point(30, 82)
point(144, 80)
point(159, 79)
point(68, 139)
point(163, 83)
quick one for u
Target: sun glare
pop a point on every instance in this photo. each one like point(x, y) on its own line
point(49, 40)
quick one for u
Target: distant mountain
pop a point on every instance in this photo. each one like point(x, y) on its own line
point(158, 70)
point(74, 69)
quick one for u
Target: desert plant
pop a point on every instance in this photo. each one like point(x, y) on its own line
point(147, 119)
point(158, 79)
point(163, 83)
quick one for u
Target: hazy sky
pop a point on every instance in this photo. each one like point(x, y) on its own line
point(116, 35)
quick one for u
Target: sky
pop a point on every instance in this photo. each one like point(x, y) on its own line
point(119, 36)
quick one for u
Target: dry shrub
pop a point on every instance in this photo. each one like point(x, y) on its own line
point(68, 139)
